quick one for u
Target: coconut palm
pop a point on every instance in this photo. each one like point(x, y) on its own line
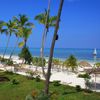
point(1, 26)
point(48, 21)
point(18, 35)
point(52, 48)
point(10, 28)
point(24, 27)
point(71, 62)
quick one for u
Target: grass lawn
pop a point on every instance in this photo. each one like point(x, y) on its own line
point(8, 91)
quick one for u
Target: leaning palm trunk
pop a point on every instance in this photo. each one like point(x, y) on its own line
point(44, 38)
point(14, 48)
point(6, 46)
point(52, 48)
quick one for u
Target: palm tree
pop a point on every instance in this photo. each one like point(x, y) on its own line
point(18, 35)
point(24, 27)
point(2, 23)
point(52, 48)
point(48, 21)
point(71, 62)
point(10, 28)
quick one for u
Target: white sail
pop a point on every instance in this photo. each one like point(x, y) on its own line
point(95, 52)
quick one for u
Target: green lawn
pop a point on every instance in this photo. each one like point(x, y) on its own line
point(8, 91)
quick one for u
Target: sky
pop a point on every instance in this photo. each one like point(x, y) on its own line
point(79, 25)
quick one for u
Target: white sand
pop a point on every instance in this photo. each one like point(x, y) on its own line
point(67, 78)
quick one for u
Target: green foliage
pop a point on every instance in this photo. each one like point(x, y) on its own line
point(97, 64)
point(14, 81)
point(43, 96)
point(71, 62)
point(37, 78)
point(87, 90)
point(9, 62)
point(78, 88)
point(6, 61)
point(25, 87)
point(87, 76)
point(29, 97)
point(56, 83)
point(41, 18)
point(38, 61)
point(56, 61)
point(31, 74)
point(26, 55)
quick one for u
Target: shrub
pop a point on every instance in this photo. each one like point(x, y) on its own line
point(37, 78)
point(84, 76)
point(29, 97)
point(56, 83)
point(87, 90)
point(37, 61)
point(9, 72)
point(31, 74)
point(9, 62)
point(43, 96)
point(14, 81)
point(26, 55)
point(78, 88)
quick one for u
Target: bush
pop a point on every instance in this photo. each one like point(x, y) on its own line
point(84, 76)
point(9, 62)
point(26, 55)
point(14, 81)
point(29, 97)
point(87, 90)
point(56, 83)
point(78, 88)
point(43, 96)
point(9, 72)
point(31, 74)
point(37, 78)
point(37, 61)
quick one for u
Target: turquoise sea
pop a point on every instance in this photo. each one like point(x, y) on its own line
point(62, 53)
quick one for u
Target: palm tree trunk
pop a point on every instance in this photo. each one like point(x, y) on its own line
point(6, 46)
point(44, 37)
point(52, 48)
point(14, 48)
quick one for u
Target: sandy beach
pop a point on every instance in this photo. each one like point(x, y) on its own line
point(66, 77)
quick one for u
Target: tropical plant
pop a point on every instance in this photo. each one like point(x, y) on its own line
point(86, 77)
point(52, 48)
point(26, 55)
point(71, 62)
point(18, 36)
point(2, 23)
point(10, 28)
point(47, 21)
point(97, 64)
point(24, 28)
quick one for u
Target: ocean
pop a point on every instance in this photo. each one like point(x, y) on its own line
point(61, 53)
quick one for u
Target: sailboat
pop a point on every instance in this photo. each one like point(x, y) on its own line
point(95, 52)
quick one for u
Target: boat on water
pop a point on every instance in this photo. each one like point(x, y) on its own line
point(95, 52)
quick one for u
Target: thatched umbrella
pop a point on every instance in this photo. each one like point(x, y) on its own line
point(84, 64)
point(94, 71)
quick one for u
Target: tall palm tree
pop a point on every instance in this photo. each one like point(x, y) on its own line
point(48, 21)
point(24, 27)
point(52, 48)
point(18, 35)
point(2, 23)
point(10, 28)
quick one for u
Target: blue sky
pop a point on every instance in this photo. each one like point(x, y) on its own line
point(79, 26)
